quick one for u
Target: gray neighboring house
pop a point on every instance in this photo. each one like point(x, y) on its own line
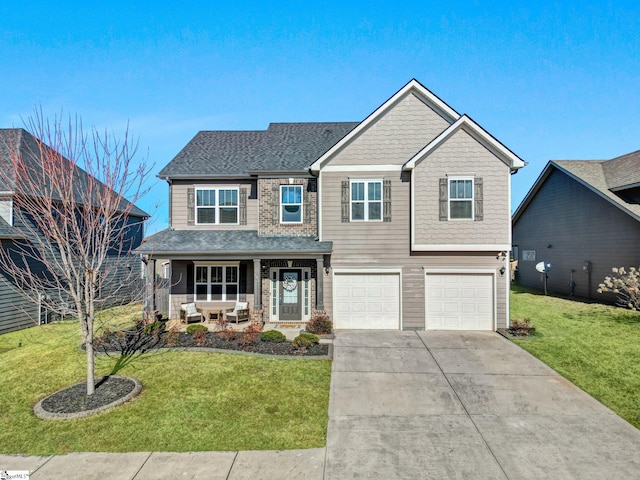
point(400, 221)
point(582, 217)
point(16, 310)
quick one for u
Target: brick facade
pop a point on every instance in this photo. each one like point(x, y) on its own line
point(269, 214)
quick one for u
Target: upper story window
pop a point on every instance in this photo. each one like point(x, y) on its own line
point(216, 206)
point(460, 199)
point(366, 200)
point(291, 204)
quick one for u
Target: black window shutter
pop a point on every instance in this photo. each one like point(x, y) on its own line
point(191, 297)
point(444, 200)
point(345, 201)
point(386, 200)
point(243, 206)
point(191, 206)
point(242, 281)
point(477, 198)
point(275, 203)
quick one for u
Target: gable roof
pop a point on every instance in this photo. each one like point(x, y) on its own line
point(17, 141)
point(602, 177)
point(414, 87)
point(283, 147)
point(476, 131)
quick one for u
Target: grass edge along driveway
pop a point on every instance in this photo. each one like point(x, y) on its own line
point(191, 401)
point(595, 346)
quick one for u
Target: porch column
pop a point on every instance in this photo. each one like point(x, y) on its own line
point(257, 285)
point(319, 284)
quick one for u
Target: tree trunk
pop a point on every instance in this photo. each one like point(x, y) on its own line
point(91, 381)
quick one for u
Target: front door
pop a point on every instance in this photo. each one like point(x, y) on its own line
point(290, 295)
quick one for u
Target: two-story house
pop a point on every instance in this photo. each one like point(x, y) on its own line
point(401, 221)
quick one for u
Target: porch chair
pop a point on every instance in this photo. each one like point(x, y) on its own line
point(190, 313)
point(239, 313)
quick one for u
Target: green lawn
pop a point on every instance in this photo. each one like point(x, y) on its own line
point(190, 401)
point(597, 347)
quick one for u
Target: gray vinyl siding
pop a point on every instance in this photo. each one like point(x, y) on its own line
point(461, 155)
point(395, 136)
point(381, 245)
point(16, 311)
point(179, 205)
point(567, 224)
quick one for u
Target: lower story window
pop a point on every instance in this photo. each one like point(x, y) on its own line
point(216, 283)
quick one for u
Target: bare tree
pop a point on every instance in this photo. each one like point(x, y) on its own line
point(74, 196)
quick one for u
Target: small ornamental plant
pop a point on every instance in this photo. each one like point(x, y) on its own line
point(193, 329)
point(155, 328)
point(521, 327)
point(200, 336)
point(273, 336)
point(320, 324)
point(625, 284)
point(305, 340)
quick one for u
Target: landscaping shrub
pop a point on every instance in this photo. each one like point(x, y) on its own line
point(521, 327)
point(320, 324)
point(193, 329)
point(154, 328)
point(228, 334)
point(200, 336)
point(625, 284)
point(305, 340)
point(273, 336)
point(249, 336)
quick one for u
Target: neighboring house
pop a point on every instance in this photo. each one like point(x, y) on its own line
point(17, 311)
point(401, 221)
point(583, 218)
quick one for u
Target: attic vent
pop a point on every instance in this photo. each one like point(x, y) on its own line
point(328, 132)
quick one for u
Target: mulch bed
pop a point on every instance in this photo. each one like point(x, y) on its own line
point(73, 402)
point(133, 342)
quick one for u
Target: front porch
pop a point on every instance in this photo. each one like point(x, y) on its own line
point(275, 290)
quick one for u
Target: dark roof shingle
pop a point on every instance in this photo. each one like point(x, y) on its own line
point(284, 147)
point(228, 242)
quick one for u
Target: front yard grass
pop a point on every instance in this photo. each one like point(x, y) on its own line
point(190, 401)
point(596, 347)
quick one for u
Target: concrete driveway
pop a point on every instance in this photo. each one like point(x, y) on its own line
point(465, 405)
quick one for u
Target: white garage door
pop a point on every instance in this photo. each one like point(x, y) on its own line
point(366, 300)
point(459, 302)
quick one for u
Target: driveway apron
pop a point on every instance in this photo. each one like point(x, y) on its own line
point(464, 405)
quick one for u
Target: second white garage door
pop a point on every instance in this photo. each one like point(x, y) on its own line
point(366, 300)
point(459, 301)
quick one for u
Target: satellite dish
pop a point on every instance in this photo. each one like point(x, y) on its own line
point(542, 267)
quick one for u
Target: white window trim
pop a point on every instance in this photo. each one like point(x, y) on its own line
point(275, 284)
point(301, 204)
point(217, 205)
point(366, 199)
point(208, 266)
point(472, 199)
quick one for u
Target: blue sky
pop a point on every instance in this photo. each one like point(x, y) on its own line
point(550, 80)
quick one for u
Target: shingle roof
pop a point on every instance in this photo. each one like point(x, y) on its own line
point(604, 177)
point(287, 147)
point(622, 171)
point(18, 141)
point(9, 232)
point(593, 173)
point(228, 242)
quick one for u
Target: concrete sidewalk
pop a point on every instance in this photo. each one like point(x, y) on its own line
point(290, 464)
point(424, 405)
